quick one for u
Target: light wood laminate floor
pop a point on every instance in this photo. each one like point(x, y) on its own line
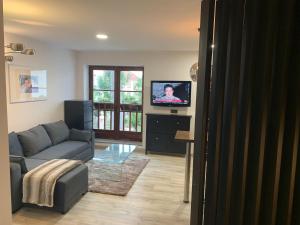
point(155, 199)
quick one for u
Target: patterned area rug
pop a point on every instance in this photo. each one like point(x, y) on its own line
point(115, 179)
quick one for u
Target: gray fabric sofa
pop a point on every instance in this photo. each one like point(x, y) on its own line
point(32, 148)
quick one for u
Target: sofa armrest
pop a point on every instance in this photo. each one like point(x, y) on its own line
point(16, 186)
point(19, 160)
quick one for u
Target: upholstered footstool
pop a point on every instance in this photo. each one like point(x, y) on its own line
point(70, 188)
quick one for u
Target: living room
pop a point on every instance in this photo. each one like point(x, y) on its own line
point(62, 49)
point(131, 66)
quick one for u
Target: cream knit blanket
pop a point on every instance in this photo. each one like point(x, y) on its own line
point(39, 183)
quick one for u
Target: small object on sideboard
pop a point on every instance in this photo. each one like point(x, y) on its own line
point(175, 111)
point(79, 114)
point(161, 130)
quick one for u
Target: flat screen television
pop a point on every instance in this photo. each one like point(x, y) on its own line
point(171, 93)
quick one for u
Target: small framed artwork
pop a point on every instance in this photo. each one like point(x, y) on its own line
point(27, 85)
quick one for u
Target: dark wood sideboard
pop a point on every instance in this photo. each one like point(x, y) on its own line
point(79, 114)
point(161, 130)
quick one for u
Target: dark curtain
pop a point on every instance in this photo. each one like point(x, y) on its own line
point(248, 114)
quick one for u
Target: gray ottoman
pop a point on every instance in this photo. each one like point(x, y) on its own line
point(69, 188)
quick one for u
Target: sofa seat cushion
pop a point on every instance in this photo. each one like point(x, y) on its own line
point(34, 140)
point(32, 163)
point(58, 131)
point(65, 150)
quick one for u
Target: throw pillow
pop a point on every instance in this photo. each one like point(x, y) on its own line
point(58, 131)
point(80, 135)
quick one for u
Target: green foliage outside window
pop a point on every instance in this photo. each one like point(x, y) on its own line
point(131, 80)
point(131, 86)
point(103, 96)
point(133, 98)
point(103, 80)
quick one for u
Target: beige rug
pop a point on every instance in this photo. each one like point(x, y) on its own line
point(115, 179)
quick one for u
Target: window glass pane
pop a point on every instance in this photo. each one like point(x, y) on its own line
point(139, 122)
point(126, 121)
point(130, 99)
point(107, 120)
point(131, 80)
point(121, 121)
point(134, 98)
point(103, 96)
point(101, 118)
point(112, 120)
point(133, 122)
point(95, 119)
point(104, 79)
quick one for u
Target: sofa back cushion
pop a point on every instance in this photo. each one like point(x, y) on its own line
point(34, 140)
point(58, 131)
point(15, 147)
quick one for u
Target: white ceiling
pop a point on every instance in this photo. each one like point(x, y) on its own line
point(130, 24)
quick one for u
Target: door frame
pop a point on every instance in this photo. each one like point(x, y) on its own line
point(116, 134)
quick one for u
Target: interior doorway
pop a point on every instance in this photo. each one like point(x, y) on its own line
point(117, 95)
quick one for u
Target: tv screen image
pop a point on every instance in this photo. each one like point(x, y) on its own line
point(171, 93)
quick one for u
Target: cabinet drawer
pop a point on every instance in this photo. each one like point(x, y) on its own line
point(181, 124)
point(168, 124)
point(158, 125)
point(161, 130)
point(165, 143)
point(157, 142)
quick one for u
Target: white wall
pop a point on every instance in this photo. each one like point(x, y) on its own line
point(157, 65)
point(5, 204)
point(60, 66)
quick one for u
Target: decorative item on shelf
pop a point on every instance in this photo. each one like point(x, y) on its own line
point(17, 48)
point(194, 72)
point(27, 85)
point(174, 111)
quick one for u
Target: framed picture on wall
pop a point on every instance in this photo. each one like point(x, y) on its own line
point(27, 85)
